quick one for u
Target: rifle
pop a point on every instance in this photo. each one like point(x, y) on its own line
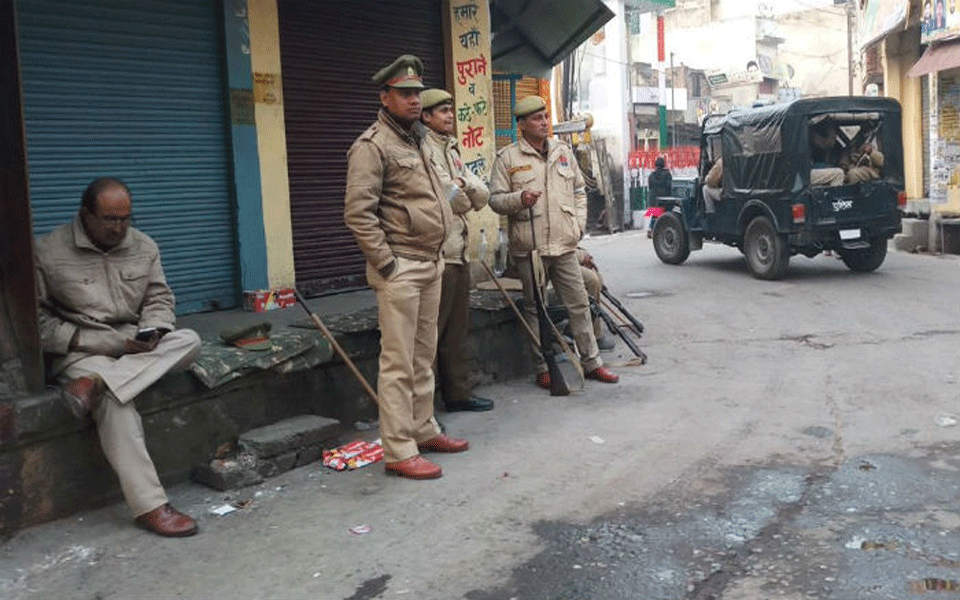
point(617, 330)
point(572, 359)
point(635, 323)
point(548, 331)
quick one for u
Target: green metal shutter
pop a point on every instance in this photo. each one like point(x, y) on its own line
point(136, 90)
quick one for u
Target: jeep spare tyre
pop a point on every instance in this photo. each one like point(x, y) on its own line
point(864, 260)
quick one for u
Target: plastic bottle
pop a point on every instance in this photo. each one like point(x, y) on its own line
point(501, 253)
point(482, 251)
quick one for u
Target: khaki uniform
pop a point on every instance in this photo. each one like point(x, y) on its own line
point(862, 166)
point(107, 296)
point(453, 322)
point(397, 208)
point(559, 216)
point(593, 282)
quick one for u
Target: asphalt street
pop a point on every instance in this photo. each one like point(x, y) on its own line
point(792, 439)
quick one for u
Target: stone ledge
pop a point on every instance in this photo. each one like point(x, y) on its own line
point(51, 465)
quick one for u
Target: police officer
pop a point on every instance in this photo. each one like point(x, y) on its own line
point(540, 172)
point(397, 208)
point(468, 193)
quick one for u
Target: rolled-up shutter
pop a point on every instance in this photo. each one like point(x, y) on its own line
point(135, 90)
point(328, 52)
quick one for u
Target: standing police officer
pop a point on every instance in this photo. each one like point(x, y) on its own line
point(541, 173)
point(397, 208)
point(469, 193)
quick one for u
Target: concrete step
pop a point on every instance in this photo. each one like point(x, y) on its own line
point(270, 450)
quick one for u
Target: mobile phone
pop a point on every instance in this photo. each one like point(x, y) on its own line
point(146, 334)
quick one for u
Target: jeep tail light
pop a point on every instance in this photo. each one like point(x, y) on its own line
point(901, 199)
point(799, 213)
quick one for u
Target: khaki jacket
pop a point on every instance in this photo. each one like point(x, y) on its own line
point(714, 178)
point(395, 203)
point(445, 155)
point(862, 166)
point(107, 296)
point(560, 215)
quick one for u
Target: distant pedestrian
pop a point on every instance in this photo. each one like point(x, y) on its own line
point(397, 208)
point(660, 182)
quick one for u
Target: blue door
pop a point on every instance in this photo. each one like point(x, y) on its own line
point(136, 90)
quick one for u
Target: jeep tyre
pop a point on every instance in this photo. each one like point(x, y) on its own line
point(766, 250)
point(670, 239)
point(865, 260)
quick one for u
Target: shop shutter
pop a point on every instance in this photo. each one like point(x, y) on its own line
point(328, 52)
point(136, 90)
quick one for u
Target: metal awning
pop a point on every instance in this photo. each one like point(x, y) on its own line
point(937, 57)
point(531, 36)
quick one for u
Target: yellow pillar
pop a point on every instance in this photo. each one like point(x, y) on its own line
point(271, 140)
point(901, 51)
point(470, 80)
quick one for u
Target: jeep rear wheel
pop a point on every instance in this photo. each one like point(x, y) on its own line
point(864, 260)
point(670, 239)
point(766, 250)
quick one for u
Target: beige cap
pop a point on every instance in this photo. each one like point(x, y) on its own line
point(528, 106)
point(433, 97)
point(404, 72)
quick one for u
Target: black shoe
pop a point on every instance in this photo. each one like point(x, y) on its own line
point(472, 403)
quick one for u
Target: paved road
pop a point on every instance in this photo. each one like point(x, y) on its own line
point(791, 439)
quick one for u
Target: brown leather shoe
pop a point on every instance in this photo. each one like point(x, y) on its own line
point(444, 443)
point(543, 380)
point(603, 374)
point(415, 467)
point(81, 395)
point(167, 521)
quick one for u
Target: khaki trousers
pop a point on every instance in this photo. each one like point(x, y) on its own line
point(118, 422)
point(826, 176)
point(408, 304)
point(453, 324)
point(593, 282)
point(564, 272)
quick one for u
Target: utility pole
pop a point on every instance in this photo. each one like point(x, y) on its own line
point(850, 9)
point(661, 80)
point(673, 106)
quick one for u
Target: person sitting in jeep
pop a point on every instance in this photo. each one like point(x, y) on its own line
point(825, 162)
point(862, 164)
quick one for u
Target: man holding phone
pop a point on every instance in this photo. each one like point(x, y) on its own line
point(107, 321)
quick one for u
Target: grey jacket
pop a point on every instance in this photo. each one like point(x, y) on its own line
point(107, 296)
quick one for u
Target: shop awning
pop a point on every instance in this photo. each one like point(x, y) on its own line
point(937, 57)
point(531, 36)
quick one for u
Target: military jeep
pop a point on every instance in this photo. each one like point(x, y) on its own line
point(773, 201)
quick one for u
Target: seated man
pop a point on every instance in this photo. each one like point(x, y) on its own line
point(594, 284)
point(712, 184)
point(106, 316)
point(825, 169)
point(862, 164)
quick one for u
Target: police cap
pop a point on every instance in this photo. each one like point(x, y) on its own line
point(528, 106)
point(434, 97)
point(404, 72)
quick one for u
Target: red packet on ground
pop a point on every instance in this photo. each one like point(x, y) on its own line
point(354, 455)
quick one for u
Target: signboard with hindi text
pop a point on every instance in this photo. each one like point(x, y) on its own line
point(470, 77)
